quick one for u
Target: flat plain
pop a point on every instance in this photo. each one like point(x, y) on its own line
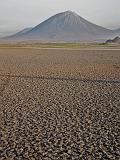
point(59, 104)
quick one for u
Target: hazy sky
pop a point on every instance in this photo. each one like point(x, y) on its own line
point(18, 14)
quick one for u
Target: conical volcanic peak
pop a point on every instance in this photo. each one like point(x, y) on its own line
point(66, 18)
point(67, 26)
point(69, 23)
point(70, 13)
point(69, 17)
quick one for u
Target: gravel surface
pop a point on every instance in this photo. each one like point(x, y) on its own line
point(59, 104)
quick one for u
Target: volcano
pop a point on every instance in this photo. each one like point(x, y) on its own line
point(65, 26)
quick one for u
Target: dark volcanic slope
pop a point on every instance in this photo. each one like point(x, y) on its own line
point(115, 40)
point(67, 26)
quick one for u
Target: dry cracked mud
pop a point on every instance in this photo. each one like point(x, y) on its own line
point(59, 104)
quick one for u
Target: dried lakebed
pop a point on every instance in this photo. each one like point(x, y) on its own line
point(59, 104)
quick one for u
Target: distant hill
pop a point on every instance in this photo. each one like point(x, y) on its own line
point(65, 26)
point(115, 40)
point(23, 31)
point(117, 30)
point(20, 33)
